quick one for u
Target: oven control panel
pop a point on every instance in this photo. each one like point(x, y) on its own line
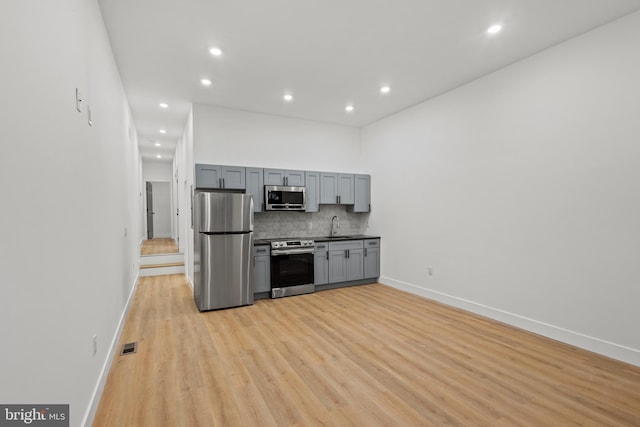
point(292, 244)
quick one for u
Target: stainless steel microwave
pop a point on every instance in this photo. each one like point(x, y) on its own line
point(281, 198)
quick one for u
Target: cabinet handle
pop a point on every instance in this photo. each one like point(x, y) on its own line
point(337, 202)
point(327, 255)
point(223, 183)
point(339, 199)
point(219, 182)
point(365, 251)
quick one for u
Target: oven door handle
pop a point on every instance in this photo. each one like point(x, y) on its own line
point(291, 252)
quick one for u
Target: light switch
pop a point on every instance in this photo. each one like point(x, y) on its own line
point(78, 101)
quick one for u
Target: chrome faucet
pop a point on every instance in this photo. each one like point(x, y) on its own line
point(334, 230)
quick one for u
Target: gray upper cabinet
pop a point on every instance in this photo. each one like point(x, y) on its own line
point(362, 193)
point(312, 180)
point(293, 178)
point(208, 176)
point(371, 258)
point(216, 176)
point(255, 187)
point(337, 188)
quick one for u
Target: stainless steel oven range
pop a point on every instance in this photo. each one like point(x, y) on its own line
point(291, 267)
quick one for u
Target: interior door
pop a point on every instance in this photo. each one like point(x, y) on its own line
point(149, 211)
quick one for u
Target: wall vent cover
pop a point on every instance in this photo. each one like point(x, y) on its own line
point(129, 348)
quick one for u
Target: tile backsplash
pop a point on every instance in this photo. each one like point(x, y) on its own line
point(269, 225)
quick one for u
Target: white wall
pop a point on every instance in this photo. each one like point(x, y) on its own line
point(522, 191)
point(70, 212)
point(231, 137)
point(157, 171)
point(183, 164)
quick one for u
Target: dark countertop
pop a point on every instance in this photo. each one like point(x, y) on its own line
point(259, 242)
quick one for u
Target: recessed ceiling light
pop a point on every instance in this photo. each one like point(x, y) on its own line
point(157, 144)
point(494, 29)
point(349, 108)
point(158, 156)
point(163, 131)
point(288, 97)
point(215, 51)
point(385, 89)
point(205, 82)
point(164, 105)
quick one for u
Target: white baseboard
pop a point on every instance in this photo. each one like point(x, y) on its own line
point(605, 348)
point(90, 414)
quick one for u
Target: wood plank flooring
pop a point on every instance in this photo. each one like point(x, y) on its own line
point(158, 246)
point(361, 356)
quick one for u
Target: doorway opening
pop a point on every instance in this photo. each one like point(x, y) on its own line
point(158, 210)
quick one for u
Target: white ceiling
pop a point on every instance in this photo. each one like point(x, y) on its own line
point(327, 53)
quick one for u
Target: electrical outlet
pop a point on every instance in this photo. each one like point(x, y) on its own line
point(430, 270)
point(95, 345)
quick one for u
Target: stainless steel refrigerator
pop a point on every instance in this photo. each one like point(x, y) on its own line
point(223, 240)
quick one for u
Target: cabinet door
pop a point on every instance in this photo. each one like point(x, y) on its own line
point(362, 193)
point(208, 176)
point(337, 266)
point(321, 267)
point(295, 178)
point(261, 269)
point(346, 189)
point(274, 176)
point(355, 264)
point(328, 188)
point(255, 187)
point(233, 177)
point(371, 263)
point(312, 180)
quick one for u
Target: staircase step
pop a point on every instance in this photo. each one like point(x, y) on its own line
point(161, 264)
point(161, 271)
point(167, 264)
point(161, 259)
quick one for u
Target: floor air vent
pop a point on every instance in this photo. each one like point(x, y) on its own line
point(129, 348)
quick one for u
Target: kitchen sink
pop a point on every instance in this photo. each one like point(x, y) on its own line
point(339, 237)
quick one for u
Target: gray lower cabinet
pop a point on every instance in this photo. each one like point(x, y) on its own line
point(293, 178)
point(261, 269)
point(321, 264)
point(346, 261)
point(217, 176)
point(312, 180)
point(255, 187)
point(371, 258)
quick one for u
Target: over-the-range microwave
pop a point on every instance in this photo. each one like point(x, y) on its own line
point(282, 198)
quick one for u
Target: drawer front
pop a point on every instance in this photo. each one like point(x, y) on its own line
point(372, 243)
point(323, 246)
point(262, 250)
point(348, 244)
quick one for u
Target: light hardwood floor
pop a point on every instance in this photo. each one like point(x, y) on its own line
point(363, 356)
point(158, 246)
